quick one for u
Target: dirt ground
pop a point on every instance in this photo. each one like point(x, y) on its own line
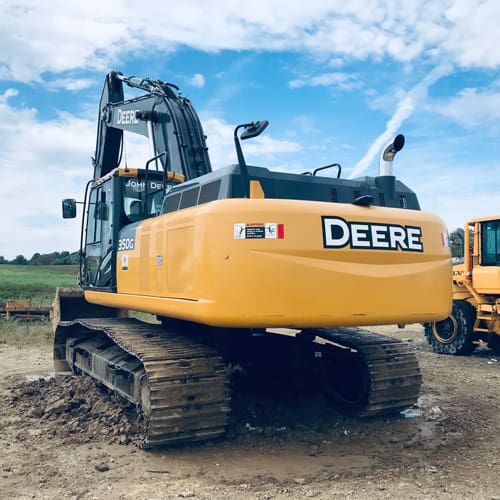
point(447, 447)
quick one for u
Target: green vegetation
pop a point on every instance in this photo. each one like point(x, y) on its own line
point(37, 283)
point(25, 334)
point(44, 259)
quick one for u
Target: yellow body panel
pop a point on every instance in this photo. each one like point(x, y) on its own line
point(192, 265)
point(460, 291)
point(486, 279)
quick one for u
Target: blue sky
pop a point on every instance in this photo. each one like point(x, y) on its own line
point(336, 80)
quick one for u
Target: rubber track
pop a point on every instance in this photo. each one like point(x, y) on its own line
point(185, 394)
point(393, 370)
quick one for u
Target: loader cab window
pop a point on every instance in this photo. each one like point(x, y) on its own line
point(490, 243)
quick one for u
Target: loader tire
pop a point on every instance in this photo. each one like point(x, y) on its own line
point(453, 335)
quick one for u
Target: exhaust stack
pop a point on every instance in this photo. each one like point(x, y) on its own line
point(388, 154)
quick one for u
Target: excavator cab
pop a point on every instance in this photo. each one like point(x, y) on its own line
point(121, 198)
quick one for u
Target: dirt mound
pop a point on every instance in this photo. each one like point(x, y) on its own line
point(74, 408)
point(80, 410)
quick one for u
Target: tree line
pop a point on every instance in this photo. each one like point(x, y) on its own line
point(45, 259)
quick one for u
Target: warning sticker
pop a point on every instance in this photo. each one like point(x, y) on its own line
point(261, 230)
point(124, 262)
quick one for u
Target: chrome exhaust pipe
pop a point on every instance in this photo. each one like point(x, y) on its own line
point(388, 154)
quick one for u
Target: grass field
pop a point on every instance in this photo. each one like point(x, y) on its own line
point(25, 334)
point(37, 283)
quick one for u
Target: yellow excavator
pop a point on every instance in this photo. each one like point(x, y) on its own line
point(246, 270)
point(475, 317)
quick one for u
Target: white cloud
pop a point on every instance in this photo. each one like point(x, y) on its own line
point(265, 146)
point(404, 108)
point(42, 163)
point(7, 94)
point(342, 81)
point(336, 62)
point(71, 84)
point(197, 80)
point(471, 107)
point(39, 37)
point(474, 36)
point(220, 141)
point(305, 124)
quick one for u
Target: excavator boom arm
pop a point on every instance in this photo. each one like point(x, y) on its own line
point(162, 114)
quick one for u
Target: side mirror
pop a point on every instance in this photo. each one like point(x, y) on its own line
point(253, 129)
point(69, 208)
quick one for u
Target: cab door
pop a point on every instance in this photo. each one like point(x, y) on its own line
point(98, 261)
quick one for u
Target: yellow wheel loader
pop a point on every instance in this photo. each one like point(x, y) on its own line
point(475, 317)
point(244, 267)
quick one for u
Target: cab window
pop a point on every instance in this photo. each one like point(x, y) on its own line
point(490, 243)
point(94, 222)
point(141, 201)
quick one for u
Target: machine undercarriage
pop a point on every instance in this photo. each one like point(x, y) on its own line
point(181, 384)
